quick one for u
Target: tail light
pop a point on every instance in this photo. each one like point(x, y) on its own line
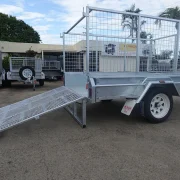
point(87, 86)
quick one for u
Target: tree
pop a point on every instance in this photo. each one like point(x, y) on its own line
point(165, 54)
point(5, 62)
point(14, 30)
point(145, 35)
point(131, 21)
point(173, 13)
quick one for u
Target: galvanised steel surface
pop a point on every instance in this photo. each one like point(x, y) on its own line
point(117, 59)
point(105, 40)
point(130, 85)
point(17, 62)
point(121, 53)
point(36, 106)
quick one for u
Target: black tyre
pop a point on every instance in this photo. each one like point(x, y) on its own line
point(1, 134)
point(6, 82)
point(158, 105)
point(26, 71)
point(41, 82)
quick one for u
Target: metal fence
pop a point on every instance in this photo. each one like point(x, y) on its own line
point(113, 41)
point(17, 62)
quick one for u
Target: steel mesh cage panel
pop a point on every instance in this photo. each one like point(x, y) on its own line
point(75, 47)
point(51, 65)
point(162, 35)
point(120, 41)
point(17, 62)
point(33, 107)
point(109, 39)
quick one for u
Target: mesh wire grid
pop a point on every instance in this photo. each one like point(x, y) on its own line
point(17, 62)
point(113, 44)
point(27, 109)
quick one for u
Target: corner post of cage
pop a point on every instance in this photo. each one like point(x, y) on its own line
point(176, 52)
point(87, 39)
point(96, 53)
point(84, 113)
point(125, 55)
point(138, 44)
point(150, 57)
point(64, 48)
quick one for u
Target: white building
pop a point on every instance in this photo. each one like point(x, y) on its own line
point(109, 56)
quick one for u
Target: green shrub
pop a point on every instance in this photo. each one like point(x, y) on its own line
point(31, 53)
point(5, 62)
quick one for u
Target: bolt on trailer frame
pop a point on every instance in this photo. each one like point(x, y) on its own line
point(121, 54)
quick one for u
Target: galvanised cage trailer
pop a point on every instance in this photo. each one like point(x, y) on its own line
point(24, 69)
point(110, 55)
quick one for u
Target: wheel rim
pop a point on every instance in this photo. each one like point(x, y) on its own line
point(27, 73)
point(160, 106)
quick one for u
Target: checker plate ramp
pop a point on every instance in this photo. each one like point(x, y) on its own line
point(35, 106)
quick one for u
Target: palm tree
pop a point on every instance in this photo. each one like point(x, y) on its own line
point(144, 35)
point(173, 13)
point(131, 21)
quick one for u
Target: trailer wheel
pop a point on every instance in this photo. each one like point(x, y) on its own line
point(41, 82)
point(158, 105)
point(6, 82)
point(25, 72)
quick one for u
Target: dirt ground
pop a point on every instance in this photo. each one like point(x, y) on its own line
point(112, 147)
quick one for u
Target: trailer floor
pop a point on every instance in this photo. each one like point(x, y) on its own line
point(112, 146)
point(132, 74)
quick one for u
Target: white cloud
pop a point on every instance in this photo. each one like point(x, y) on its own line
point(19, 3)
point(42, 28)
point(50, 19)
point(51, 38)
point(46, 36)
point(36, 21)
point(31, 4)
point(70, 11)
point(30, 15)
point(10, 9)
point(74, 9)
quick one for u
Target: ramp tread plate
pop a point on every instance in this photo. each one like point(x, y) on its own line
point(35, 106)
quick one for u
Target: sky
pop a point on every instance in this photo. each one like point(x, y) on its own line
point(52, 17)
